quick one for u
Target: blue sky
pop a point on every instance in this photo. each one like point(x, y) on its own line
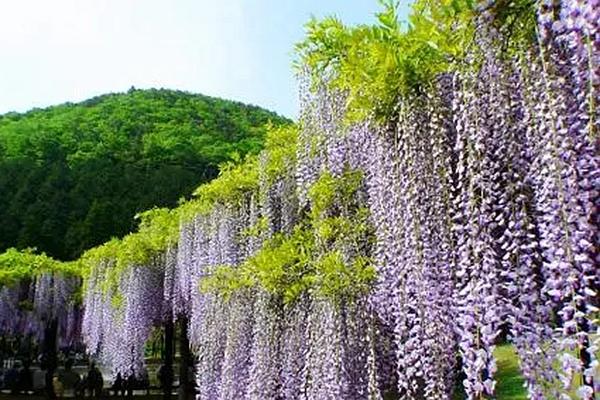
point(69, 50)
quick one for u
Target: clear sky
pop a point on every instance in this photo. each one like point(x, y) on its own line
point(53, 51)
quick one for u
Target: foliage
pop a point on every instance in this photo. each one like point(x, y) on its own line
point(305, 261)
point(378, 65)
point(235, 180)
point(280, 151)
point(16, 266)
point(74, 175)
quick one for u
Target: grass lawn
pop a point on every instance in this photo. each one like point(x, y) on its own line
point(509, 381)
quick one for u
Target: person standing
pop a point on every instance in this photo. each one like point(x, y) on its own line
point(11, 378)
point(58, 387)
point(25, 378)
point(69, 378)
point(95, 381)
point(119, 385)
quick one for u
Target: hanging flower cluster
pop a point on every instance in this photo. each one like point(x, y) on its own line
point(268, 334)
point(16, 316)
point(54, 300)
point(38, 292)
point(118, 319)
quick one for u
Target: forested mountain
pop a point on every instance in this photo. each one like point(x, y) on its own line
point(74, 175)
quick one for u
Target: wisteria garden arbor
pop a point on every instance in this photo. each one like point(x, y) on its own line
point(441, 187)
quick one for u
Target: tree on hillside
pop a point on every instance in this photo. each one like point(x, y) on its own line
point(74, 175)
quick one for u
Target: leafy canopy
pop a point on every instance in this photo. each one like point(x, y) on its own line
point(379, 64)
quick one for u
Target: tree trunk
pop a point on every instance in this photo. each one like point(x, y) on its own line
point(50, 358)
point(584, 354)
point(168, 361)
point(186, 360)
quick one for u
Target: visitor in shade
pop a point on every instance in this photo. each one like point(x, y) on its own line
point(58, 387)
point(11, 378)
point(119, 385)
point(165, 376)
point(130, 385)
point(69, 378)
point(25, 378)
point(94, 381)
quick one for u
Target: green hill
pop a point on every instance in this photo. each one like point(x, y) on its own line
point(74, 175)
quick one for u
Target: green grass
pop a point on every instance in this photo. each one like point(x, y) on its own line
point(509, 381)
